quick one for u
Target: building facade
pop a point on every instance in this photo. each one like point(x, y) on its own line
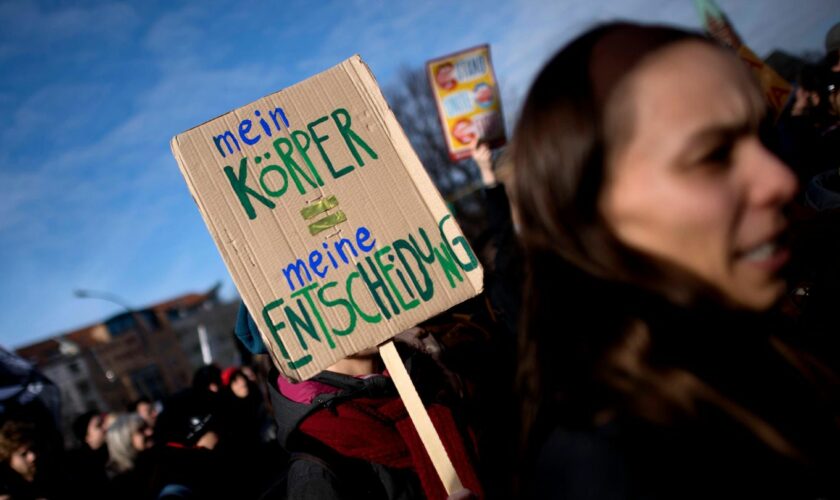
point(150, 352)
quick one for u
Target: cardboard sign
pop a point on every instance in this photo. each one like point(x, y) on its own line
point(468, 100)
point(330, 227)
point(775, 88)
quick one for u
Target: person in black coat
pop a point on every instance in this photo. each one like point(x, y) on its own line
point(86, 463)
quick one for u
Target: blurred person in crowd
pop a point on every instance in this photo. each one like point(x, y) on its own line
point(809, 129)
point(242, 413)
point(206, 387)
point(127, 436)
point(235, 381)
point(248, 372)
point(86, 464)
point(89, 429)
point(487, 367)
point(245, 441)
point(186, 461)
point(654, 226)
point(823, 190)
point(349, 434)
point(21, 476)
point(503, 273)
point(147, 410)
point(207, 379)
point(27, 395)
point(128, 439)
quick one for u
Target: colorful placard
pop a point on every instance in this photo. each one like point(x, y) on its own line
point(468, 100)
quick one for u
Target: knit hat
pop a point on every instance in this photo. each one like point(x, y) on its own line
point(832, 38)
point(228, 374)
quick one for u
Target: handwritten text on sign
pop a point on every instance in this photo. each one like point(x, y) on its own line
point(395, 275)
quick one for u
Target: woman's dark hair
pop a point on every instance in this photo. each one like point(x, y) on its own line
point(561, 140)
point(80, 425)
point(13, 435)
point(573, 259)
point(205, 376)
point(599, 319)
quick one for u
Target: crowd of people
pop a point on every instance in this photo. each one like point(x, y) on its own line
point(657, 319)
point(204, 443)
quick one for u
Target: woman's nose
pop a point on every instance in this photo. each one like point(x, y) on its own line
point(772, 182)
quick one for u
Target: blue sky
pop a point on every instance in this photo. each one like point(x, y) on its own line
point(91, 93)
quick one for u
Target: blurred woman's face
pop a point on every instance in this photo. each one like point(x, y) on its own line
point(24, 462)
point(96, 430)
point(239, 386)
point(692, 184)
point(141, 439)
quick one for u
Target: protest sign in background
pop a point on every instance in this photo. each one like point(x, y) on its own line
point(468, 100)
point(331, 229)
point(776, 89)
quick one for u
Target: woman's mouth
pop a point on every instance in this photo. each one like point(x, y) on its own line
point(770, 255)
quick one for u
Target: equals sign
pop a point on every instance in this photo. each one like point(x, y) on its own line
point(319, 207)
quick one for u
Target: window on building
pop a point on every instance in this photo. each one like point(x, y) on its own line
point(150, 319)
point(126, 322)
point(120, 324)
point(175, 314)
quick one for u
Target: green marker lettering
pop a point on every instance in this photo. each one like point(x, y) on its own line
point(276, 327)
point(376, 318)
point(462, 242)
point(447, 263)
point(303, 148)
point(283, 147)
point(350, 137)
point(274, 168)
point(430, 258)
point(375, 285)
point(300, 322)
point(427, 291)
point(243, 191)
point(305, 292)
point(386, 268)
point(338, 302)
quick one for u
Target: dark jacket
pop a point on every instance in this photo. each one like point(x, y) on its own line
point(759, 388)
point(86, 469)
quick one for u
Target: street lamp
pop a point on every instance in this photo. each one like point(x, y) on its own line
point(110, 297)
point(142, 331)
point(116, 299)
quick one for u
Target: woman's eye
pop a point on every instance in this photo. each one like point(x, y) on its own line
point(719, 156)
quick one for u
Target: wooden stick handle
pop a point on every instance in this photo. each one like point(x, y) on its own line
point(420, 418)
